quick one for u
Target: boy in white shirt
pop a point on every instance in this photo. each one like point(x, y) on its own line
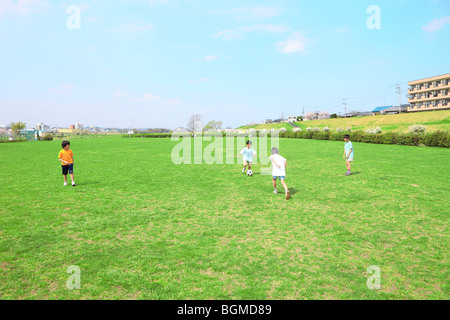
point(279, 171)
point(248, 154)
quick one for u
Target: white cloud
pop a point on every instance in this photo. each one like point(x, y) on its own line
point(63, 89)
point(211, 58)
point(120, 94)
point(23, 7)
point(437, 24)
point(239, 33)
point(296, 43)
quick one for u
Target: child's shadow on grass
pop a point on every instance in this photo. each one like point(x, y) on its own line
point(87, 183)
point(292, 191)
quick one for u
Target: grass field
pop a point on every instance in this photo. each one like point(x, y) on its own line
point(434, 121)
point(140, 227)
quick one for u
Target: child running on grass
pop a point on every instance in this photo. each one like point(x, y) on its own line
point(348, 154)
point(66, 158)
point(248, 154)
point(279, 171)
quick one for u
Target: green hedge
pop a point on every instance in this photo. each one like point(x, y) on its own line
point(12, 141)
point(434, 139)
point(165, 135)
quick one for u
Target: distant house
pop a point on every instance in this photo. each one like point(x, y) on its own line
point(396, 109)
point(267, 121)
point(364, 114)
point(380, 110)
point(292, 119)
point(390, 110)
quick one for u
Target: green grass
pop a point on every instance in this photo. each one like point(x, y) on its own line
point(140, 227)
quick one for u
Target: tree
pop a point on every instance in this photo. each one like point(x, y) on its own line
point(16, 127)
point(333, 116)
point(213, 125)
point(323, 115)
point(195, 123)
point(299, 118)
point(310, 116)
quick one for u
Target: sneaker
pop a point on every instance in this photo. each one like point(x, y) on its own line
point(73, 184)
point(65, 183)
point(276, 192)
point(288, 195)
point(347, 173)
point(243, 170)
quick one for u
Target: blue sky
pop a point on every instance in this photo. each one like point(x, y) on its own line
point(153, 63)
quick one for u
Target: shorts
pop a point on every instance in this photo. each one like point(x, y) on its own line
point(67, 169)
point(349, 160)
point(281, 177)
point(248, 162)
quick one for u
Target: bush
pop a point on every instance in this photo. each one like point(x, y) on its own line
point(374, 131)
point(47, 137)
point(308, 135)
point(417, 129)
point(437, 139)
point(389, 138)
point(308, 129)
point(326, 129)
point(408, 139)
point(337, 136)
point(316, 129)
point(321, 135)
point(340, 130)
point(152, 135)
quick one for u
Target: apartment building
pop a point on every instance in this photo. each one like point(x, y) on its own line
point(429, 94)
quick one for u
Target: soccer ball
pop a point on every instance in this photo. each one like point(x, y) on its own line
point(249, 173)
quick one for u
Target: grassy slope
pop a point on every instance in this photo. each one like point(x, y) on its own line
point(436, 120)
point(140, 227)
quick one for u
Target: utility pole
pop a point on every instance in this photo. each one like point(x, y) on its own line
point(345, 107)
point(399, 91)
point(303, 112)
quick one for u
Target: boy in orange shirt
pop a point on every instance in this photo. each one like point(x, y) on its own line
point(66, 158)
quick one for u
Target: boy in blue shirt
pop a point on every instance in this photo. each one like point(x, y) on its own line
point(348, 154)
point(248, 154)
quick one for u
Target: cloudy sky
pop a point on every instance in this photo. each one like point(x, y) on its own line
point(153, 63)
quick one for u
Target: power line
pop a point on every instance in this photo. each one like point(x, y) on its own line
point(371, 94)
